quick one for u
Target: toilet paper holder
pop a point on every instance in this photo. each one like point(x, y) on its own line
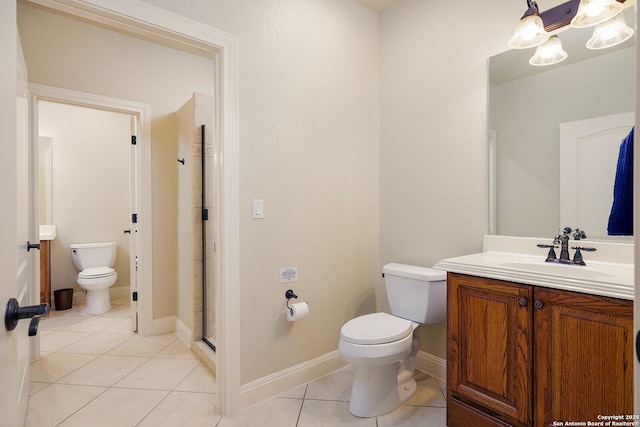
point(289, 295)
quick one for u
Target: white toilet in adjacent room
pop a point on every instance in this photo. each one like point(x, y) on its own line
point(383, 347)
point(94, 261)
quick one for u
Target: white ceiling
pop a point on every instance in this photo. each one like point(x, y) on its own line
point(377, 5)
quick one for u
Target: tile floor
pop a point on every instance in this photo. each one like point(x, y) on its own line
point(94, 371)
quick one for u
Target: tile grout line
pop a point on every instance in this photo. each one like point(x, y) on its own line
point(69, 373)
point(304, 396)
point(113, 386)
point(82, 407)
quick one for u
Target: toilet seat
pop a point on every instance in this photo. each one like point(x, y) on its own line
point(376, 328)
point(96, 273)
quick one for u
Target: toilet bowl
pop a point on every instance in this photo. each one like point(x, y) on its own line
point(383, 347)
point(94, 261)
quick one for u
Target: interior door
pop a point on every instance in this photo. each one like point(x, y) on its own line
point(133, 229)
point(589, 156)
point(16, 262)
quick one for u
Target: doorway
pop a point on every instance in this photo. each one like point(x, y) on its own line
point(130, 225)
point(194, 37)
point(86, 184)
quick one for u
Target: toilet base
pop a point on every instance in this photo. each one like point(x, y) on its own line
point(381, 388)
point(98, 301)
point(376, 391)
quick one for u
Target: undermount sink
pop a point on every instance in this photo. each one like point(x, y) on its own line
point(47, 232)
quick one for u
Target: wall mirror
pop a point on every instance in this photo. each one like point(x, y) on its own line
point(527, 106)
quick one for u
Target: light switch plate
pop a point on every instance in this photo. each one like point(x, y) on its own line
point(258, 208)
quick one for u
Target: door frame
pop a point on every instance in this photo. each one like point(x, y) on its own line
point(143, 249)
point(177, 31)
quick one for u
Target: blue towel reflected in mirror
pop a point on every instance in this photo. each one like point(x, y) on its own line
point(621, 217)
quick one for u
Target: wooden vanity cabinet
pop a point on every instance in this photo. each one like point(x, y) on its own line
point(489, 352)
point(522, 355)
point(45, 271)
point(584, 356)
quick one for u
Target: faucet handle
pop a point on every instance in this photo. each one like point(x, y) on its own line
point(577, 258)
point(551, 256)
point(579, 234)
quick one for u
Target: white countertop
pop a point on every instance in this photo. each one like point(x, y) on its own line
point(47, 232)
point(609, 270)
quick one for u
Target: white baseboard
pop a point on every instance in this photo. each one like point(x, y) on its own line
point(121, 293)
point(432, 365)
point(184, 333)
point(290, 378)
point(287, 379)
point(79, 297)
point(206, 355)
point(163, 325)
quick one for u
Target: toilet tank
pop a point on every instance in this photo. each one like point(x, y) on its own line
point(416, 293)
point(91, 255)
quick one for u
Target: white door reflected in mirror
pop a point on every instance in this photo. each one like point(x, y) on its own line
point(588, 158)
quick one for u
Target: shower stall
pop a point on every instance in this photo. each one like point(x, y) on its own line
point(196, 221)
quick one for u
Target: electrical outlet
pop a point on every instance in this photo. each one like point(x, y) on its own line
point(289, 274)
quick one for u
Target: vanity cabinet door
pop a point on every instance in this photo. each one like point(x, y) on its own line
point(45, 271)
point(583, 356)
point(489, 355)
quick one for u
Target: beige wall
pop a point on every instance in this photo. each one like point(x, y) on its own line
point(73, 55)
point(185, 267)
point(433, 143)
point(309, 115)
point(365, 136)
point(190, 117)
point(90, 184)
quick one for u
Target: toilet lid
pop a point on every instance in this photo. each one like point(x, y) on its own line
point(96, 272)
point(376, 328)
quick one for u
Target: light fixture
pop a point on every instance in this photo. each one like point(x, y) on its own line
point(534, 27)
point(549, 53)
point(593, 12)
point(530, 31)
point(610, 33)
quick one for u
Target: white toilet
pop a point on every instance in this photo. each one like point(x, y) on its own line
point(382, 347)
point(94, 261)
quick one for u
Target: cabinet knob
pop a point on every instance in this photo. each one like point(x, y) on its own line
point(538, 304)
point(523, 302)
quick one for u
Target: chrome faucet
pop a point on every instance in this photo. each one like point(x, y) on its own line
point(563, 241)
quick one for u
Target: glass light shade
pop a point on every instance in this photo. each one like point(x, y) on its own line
point(610, 33)
point(549, 53)
point(594, 12)
point(530, 32)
